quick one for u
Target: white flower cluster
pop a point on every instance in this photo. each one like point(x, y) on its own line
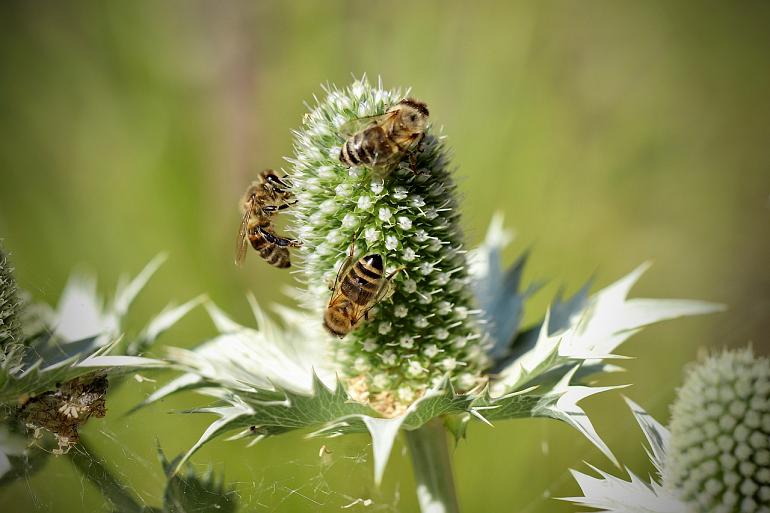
point(719, 457)
point(410, 218)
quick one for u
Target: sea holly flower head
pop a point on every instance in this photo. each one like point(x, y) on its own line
point(445, 343)
point(715, 456)
point(393, 217)
point(718, 459)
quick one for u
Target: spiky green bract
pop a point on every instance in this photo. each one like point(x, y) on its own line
point(427, 329)
point(719, 456)
point(11, 346)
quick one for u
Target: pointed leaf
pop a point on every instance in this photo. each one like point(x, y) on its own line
point(383, 433)
point(457, 425)
point(656, 434)
point(497, 292)
point(191, 492)
point(79, 312)
point(566, 409)
point(184, 382)
point(589, 329)
point(614, 495)
point(610, 318)
point(161, 323)
point(120, 361)
point(230, 417)
point(125, 295)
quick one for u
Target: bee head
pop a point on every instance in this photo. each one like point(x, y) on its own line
point(414, 114)
point(249, 197)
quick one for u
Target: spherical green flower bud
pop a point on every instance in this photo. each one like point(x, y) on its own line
point(10, 308)
point(719, 457)
point(423, 329)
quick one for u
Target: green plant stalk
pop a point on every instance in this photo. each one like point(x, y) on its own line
point(91, 466)
point(432, 466)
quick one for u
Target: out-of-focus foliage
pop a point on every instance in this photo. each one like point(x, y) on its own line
point(54, 377)
point(190, 492)
point(607, 132)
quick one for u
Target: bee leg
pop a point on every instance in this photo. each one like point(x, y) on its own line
point(277, 183)
point(278, 241)
point(270, 209)
point(377, 174)
point(413, 154)
point(393, 274)
point(418, 146)
point(387, 288)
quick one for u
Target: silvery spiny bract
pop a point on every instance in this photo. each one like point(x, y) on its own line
point(447, 344)
point(716, 456)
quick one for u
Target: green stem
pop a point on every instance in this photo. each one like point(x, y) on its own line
point(91, 466)
point(432, 468)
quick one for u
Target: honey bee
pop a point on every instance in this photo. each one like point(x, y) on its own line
point(359, 286)
point(380, 142)
point(263, 199)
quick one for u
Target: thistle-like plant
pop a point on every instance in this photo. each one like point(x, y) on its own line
point(715, 458)
point(444, 348)
point(57, 364)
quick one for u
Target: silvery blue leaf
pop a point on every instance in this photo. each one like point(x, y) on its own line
point(615, 495)
point(497, 291)
point(594, 329)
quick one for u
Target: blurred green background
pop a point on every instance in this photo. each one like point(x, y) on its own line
point(608, 133)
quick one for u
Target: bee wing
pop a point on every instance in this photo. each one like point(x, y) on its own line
point(241, 243)
point(358, 312)
point(356, 125)
point(335, 298)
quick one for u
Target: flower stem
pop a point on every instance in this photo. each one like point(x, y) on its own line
point(432, 468)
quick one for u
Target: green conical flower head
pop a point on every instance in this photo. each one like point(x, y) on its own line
point(719, 455)
point(10, 307)
point(427, 328)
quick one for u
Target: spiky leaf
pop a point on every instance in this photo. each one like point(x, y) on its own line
point(192, 492)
